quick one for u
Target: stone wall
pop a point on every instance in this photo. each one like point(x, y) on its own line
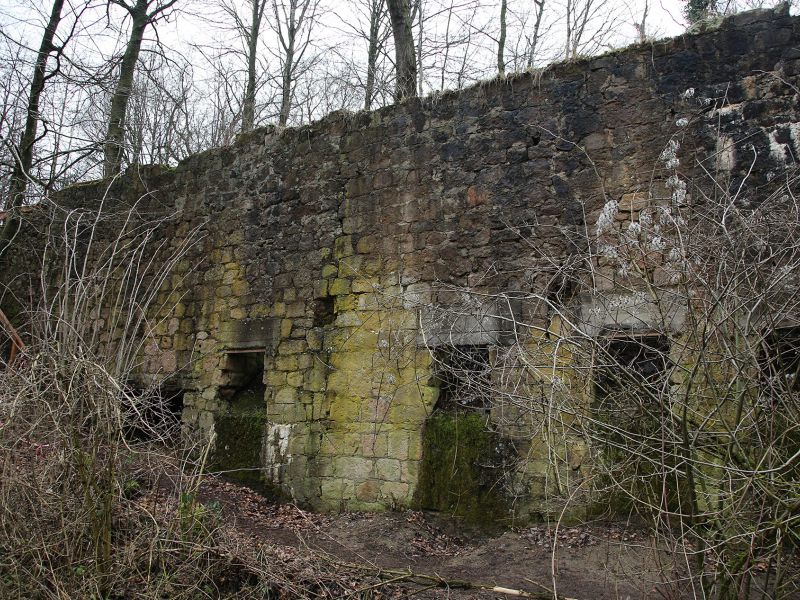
point(333, 251)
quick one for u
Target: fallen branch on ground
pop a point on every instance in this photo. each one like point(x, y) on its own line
point(408, 576)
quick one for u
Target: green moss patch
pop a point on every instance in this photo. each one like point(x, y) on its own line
point(240, 433)
point(463, 468)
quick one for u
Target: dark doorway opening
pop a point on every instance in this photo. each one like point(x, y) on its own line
point(631, 368)
point(153, 414)
point(243, 375)
point(241, 427)
point(630, 407)
point(464, 378)
point(780, 363)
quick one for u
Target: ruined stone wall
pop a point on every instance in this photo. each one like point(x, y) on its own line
point(328, 249)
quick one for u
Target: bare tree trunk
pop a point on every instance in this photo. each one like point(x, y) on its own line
point(534, 39)
point(598, 16)
point(568, 45)
point(294, 21)
point(641, 24)
point(446, 56)
point(249, 104)
point(372, 53)
point(287, 42)
point(405, 61)
point(419, 9)
point(501, 43)
point(140, 19)
point(112, 149)
point(286, 83)
point(24, 161)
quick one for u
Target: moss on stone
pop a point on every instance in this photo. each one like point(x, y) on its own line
point(240, 432)
point(462, 469)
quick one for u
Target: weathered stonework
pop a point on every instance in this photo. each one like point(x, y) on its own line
point(328, 249)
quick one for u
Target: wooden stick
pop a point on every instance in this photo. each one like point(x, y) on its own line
point(17, 345)
point(438, 581)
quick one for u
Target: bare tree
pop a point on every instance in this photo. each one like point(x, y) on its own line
point(533, 38)
point(640, 21)
point(161, 127)
point(459, 51)
point(588, 26)
point(367, 22)
point(405, 61)
point(24, 153)
point(142, 14)
point(330, 86)
point(249, 31)
point(501, 43)
point(294, 21)
point(219, 111)
point(378, 34)
point(224, 105)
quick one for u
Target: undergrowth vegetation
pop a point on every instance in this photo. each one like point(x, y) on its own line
point(97, 499)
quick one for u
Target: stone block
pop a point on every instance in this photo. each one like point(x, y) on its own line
point(366, 244)
point(353, 468)
point(345, 409)
point(286, 328)
point(349, 319)
point(395, 493)
point(343, 247)
point(398, 444)
point(314, 338)
point(368, 491)
point(286, 363)
point(345, 303)
point(350, 266)
point(321, 289)
point(409, 471)
point(415, 445)
point(287, 414)
point(316, 377)
point(239, 288)
point(285, 395)
point(294, 379)
point(373, 301)
point(372, 266)
point(304, 361)
point(296, 309)
point(633, 202)
point(205, 421)
point(335, 492)
point(387, 469)
point(231, 274)
point(275, 378)
point(365, 284)
point(339, 287)
point(374, 444)
point(287, 347)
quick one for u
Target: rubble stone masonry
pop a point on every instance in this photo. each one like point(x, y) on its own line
point(325, 251)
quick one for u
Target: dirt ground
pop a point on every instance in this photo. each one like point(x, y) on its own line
point(593, 561)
